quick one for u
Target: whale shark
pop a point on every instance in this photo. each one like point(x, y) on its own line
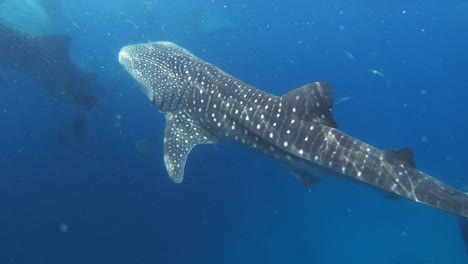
point(203, 103)
point(46, 60)
point(28, 15)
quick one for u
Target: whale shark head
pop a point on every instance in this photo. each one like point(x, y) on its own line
point(164, 70)
point(170, 76)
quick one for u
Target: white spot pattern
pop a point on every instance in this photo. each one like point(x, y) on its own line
point(298, 127)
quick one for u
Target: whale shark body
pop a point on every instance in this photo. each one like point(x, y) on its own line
point(46, 60)
point(28, 15)
point(202, 103)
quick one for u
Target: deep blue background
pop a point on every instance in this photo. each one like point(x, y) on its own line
point(236, 206)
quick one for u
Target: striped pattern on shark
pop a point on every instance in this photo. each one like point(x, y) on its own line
point(202, 102)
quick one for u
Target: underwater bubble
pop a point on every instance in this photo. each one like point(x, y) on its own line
point(64, 228)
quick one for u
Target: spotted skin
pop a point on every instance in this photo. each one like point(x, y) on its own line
point(45, 59)
point(202, 102)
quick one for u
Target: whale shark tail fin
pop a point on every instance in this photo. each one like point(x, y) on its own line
point(463, 223)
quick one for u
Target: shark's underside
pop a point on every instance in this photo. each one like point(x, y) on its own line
point(201, 103)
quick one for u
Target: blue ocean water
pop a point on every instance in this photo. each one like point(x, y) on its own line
point(105, 197)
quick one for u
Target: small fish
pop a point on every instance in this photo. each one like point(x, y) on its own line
point(380, 75)
point(349, 56)
point(343, 99)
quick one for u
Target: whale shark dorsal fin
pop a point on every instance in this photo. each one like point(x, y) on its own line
point(312, 103)
point(397, 156)
point(182, 134)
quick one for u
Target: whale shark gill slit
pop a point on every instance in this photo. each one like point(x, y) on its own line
point(201, 102)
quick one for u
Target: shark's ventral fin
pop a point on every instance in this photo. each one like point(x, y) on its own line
point(182, 134)
point(306, 179)
point(313, 103)
point(397, 156)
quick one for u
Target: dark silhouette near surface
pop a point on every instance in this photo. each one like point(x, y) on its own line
point(46, 60)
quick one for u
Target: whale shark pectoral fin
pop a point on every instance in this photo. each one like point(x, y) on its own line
point(463, 223)
point(312, 103)
point(182, 134)
point(397, 156)
point(306, 179)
